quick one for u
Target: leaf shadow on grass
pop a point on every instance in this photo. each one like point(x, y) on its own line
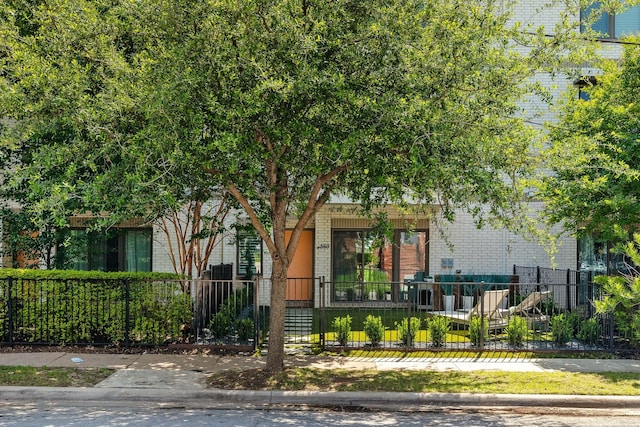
point(297, 379)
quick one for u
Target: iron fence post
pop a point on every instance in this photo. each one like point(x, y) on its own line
point(481, 332)
point(322, 313)
point(10, 309)
point(611, 331)
point(256, 326)
point(409, 343)
point(127, 307)
point(568, 288)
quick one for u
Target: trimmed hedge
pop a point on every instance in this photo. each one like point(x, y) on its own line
point(22, 273)
point(71, 307)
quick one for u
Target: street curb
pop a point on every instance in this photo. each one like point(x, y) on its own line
point(370, 400)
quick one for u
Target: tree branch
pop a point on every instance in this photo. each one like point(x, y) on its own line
point(253, 217)
point(317, 198)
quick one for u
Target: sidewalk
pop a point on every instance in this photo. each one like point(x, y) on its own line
point(180, 379)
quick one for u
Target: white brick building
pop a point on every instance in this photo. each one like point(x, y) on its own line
point(460, 248)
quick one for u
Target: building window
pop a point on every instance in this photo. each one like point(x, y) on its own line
point(137, 252)
point(592, 255)
point(248, 254)
point(412, 254)
point(360, 256)
point(614, 26)
point(598, 256)
point(117, 250)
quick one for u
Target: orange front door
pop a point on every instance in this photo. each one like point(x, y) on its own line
point(300, 274)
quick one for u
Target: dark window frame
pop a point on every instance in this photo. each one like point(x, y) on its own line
point(395, 249)
point(610, 22)
point(114, 248)
point(240, 252)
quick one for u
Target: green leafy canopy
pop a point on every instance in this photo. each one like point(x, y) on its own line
point(282, 103)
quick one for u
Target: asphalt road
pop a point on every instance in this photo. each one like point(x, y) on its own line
point(54, 414)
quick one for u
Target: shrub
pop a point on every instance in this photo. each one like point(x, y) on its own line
point(239, 300)
point(59, 311)
point(237, 304)
point(4, 319)
point(561, 329)
point(517, 330)
point(622, 294)
point(407, 330)
point(158, 319)
point(575, 319)
point(628, 325)
point(245, 329)
point(222, 322)
point(342, 328)
point(589, 331)
point(374, 329)
point(438, 328)
point(478, 330)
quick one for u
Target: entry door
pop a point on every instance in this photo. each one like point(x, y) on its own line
point(300, 274)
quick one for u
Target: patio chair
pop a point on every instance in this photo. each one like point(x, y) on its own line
point(488, 307)
point(529, 307)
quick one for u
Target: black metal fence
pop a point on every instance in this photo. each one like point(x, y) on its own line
point(120, 312)
point(537, 315)
point(227, 313)
point(545, 310)
point(127, 313)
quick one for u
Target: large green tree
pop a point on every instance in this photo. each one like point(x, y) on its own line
point(47, 187)
point(280, 103)
point(592, 183)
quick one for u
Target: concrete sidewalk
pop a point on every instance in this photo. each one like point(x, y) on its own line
point(210, 363)
point(181, 379)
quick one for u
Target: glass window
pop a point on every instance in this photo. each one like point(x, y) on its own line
point(137, 250)
point(345, 253)
point(74, 254)
point(627, 23)
point(614, 26)
point(249, 253)
point(583, 95)
point(601, 257)
point(601, 25)
point(592, 255)
point(413, 253)
point(359, 256)
point(118, 250)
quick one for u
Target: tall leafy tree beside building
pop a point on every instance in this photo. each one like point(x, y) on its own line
point(592, 183)
point(280, 103)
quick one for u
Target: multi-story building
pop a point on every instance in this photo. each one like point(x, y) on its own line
point(337, 244)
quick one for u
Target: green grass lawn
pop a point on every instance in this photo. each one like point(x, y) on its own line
point(51, 377)
point(389, 317)
point(492, 382)
point(391, 335)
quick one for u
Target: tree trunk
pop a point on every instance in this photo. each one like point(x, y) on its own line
point(275, 354)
